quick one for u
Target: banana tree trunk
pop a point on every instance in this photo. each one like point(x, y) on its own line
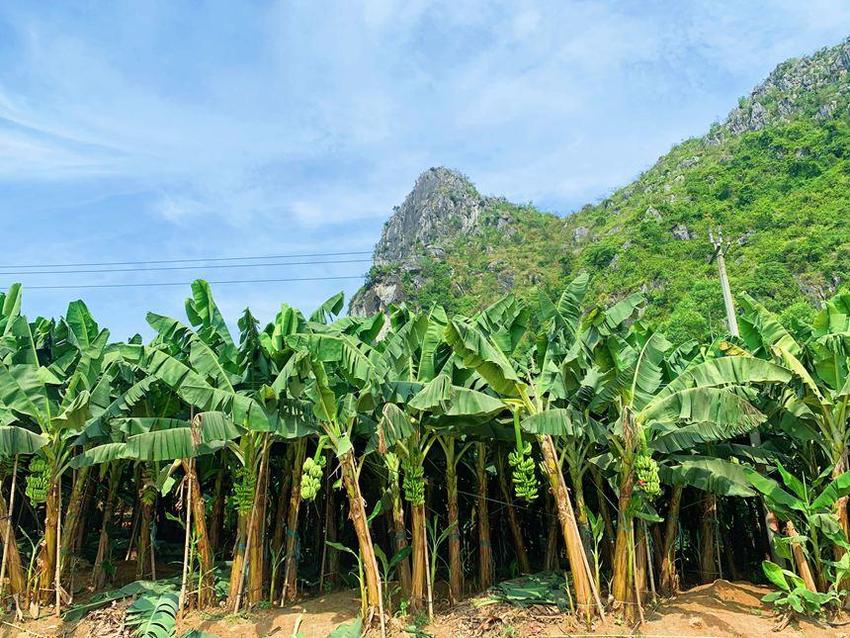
point(485, 550)
point(217, 514)
point(357, 514)
point(420, 568)
point(144, 545)
point(455, 563)
point(657, 547)
point(256, 559)
point(280, 516)
point(206, 585)
point(669, 577)
point(841, 504)
point(622, 587)
point(238, 558)
point(586, 596)
point(581, 510)
point(330, 556)
point(641, 562)
point(46, 561)
point(400, 535)
point(550, 557)
point(707, 552)
point(14, 567)
point(85, 512)
point(800, 560)
point(513, 519)
point(98, 575)
point(290, 572)
point(72, 517)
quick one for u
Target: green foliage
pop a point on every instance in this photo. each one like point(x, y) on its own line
point(136, 588)
point(793, 594)
point(783, 190)
point(543, 588)
point(154, 615)
point(347, 630)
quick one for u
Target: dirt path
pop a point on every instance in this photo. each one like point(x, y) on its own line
point(719, 610)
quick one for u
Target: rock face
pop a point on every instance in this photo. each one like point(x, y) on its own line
point(442, 205)
point(787, 91)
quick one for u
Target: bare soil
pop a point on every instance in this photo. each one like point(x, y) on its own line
point(719, 610)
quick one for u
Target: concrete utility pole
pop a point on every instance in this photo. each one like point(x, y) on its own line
point(731, 318)
point(771, 523)
point(719, 249)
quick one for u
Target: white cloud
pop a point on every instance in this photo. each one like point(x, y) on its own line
point(525, 95)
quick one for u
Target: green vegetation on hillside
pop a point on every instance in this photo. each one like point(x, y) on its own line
point(781, 193)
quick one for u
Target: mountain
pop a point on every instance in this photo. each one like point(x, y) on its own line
point(775, 176)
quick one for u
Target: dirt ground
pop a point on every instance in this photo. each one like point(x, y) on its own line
point(719, 610)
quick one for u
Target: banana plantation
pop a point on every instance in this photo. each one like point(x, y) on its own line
point(419, 458)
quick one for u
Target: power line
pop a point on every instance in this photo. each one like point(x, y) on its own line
point(191, 267)
point(188, 259)
point(185, 283)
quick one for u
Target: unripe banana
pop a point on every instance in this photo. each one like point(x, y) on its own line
point(414, 481)
point(311, 477)
point(38, 481)
point(523, 476)
point(243, 489)
point(646, 473)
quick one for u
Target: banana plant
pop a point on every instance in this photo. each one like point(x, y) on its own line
point(290, 372)
point(46, 385)
point(332, 369)
point(568, 362)
point(162, 445)
point(811, 521)
point(15, 442)
point(202, 366)
point(407, 355)
point(421, 406)
point(704, 403)
point(486, 344)
point(816, 406)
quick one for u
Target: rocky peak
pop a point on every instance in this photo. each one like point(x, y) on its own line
point(442, 204)
point(810, 85)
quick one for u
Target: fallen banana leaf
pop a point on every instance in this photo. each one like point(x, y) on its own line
point(543, 588)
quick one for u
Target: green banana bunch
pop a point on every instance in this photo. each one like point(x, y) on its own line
point(243, 489)
point(646, 472)
point(38, 481)
point(414, 480)
point(524, 478)
point(311, 477)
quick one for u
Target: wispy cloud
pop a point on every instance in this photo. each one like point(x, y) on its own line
point(170, 129)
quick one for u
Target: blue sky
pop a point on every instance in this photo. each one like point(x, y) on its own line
point(169, 130)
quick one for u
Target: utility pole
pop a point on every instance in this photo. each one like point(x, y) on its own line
point(770, 521)
point(719, 255)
